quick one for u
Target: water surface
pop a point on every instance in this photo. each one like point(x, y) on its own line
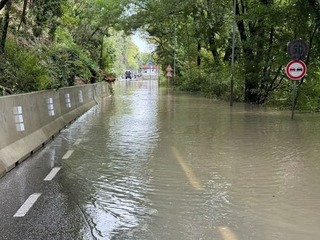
point(153, 163)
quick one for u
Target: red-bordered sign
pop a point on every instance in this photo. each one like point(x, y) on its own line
point(296, 69)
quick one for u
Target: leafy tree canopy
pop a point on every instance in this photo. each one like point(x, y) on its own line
point(196, 36)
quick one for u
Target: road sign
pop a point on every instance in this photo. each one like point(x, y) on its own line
point(296, 69)
point(297, 49)
point(169, 68)
point(168, 74)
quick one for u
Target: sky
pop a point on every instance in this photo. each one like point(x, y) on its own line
point(141, 43)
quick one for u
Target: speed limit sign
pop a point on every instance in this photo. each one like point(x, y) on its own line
point(297, 49)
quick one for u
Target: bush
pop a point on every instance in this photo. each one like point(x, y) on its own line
point(217, 84)
point(20, 69)
point(65, 64)
point(213, 82)
point(191, 80)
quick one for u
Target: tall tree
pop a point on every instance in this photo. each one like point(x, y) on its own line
point(7, 5)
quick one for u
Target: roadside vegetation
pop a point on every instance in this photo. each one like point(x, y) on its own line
point(48, 44)
point(199, 35)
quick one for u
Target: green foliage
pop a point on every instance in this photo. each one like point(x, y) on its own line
point(163, 81)
point(308, 91)
point(120, 53)
point(199, 35)
point(217, 84)
point(192, 80)
point(62, 43)
point(212, 84)
point(45, 14)
point(21, 70)
point(67, 40)
point(65, 64)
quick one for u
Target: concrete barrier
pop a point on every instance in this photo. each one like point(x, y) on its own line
point(28, 121)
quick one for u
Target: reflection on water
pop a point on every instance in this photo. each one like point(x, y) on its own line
point(113, 163)
point(158, 164)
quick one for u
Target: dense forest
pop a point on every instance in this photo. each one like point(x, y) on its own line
point(49, 44)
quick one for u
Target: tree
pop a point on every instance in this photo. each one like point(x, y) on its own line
point(195, 36)
point(7, 5)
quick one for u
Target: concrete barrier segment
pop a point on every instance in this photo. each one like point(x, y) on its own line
point(2, 171)
point(28, 121)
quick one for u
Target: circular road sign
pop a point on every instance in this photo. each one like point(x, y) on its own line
point(297, 49)
point(296, 69)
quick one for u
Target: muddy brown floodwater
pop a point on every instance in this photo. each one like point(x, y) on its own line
point(153, 163)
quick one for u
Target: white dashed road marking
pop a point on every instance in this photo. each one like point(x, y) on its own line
point(227, 233)
point(77, 142)
point(68, 154)
point(22, 211)
point(194, 181)
point(52, 174)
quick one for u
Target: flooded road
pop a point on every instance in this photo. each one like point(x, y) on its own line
point(152, 163)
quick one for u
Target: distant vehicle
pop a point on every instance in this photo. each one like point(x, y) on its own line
point(127, 75)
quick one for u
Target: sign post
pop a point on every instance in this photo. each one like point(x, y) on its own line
point(168, 74)
point(294, 94)
point(296, 69)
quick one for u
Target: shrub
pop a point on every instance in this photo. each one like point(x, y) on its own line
point(20, 69)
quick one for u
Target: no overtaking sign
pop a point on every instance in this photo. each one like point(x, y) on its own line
point(296, 69)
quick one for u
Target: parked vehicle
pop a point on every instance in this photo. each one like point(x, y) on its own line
point(127, 75)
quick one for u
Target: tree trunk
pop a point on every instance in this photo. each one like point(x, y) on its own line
point(199, 54)
point(253, 36)
point(102, 64)
point(251, 81)
point(213, 47)
point(212, 34)
point(5, 27)
point(3, 3)
point(23, 15)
